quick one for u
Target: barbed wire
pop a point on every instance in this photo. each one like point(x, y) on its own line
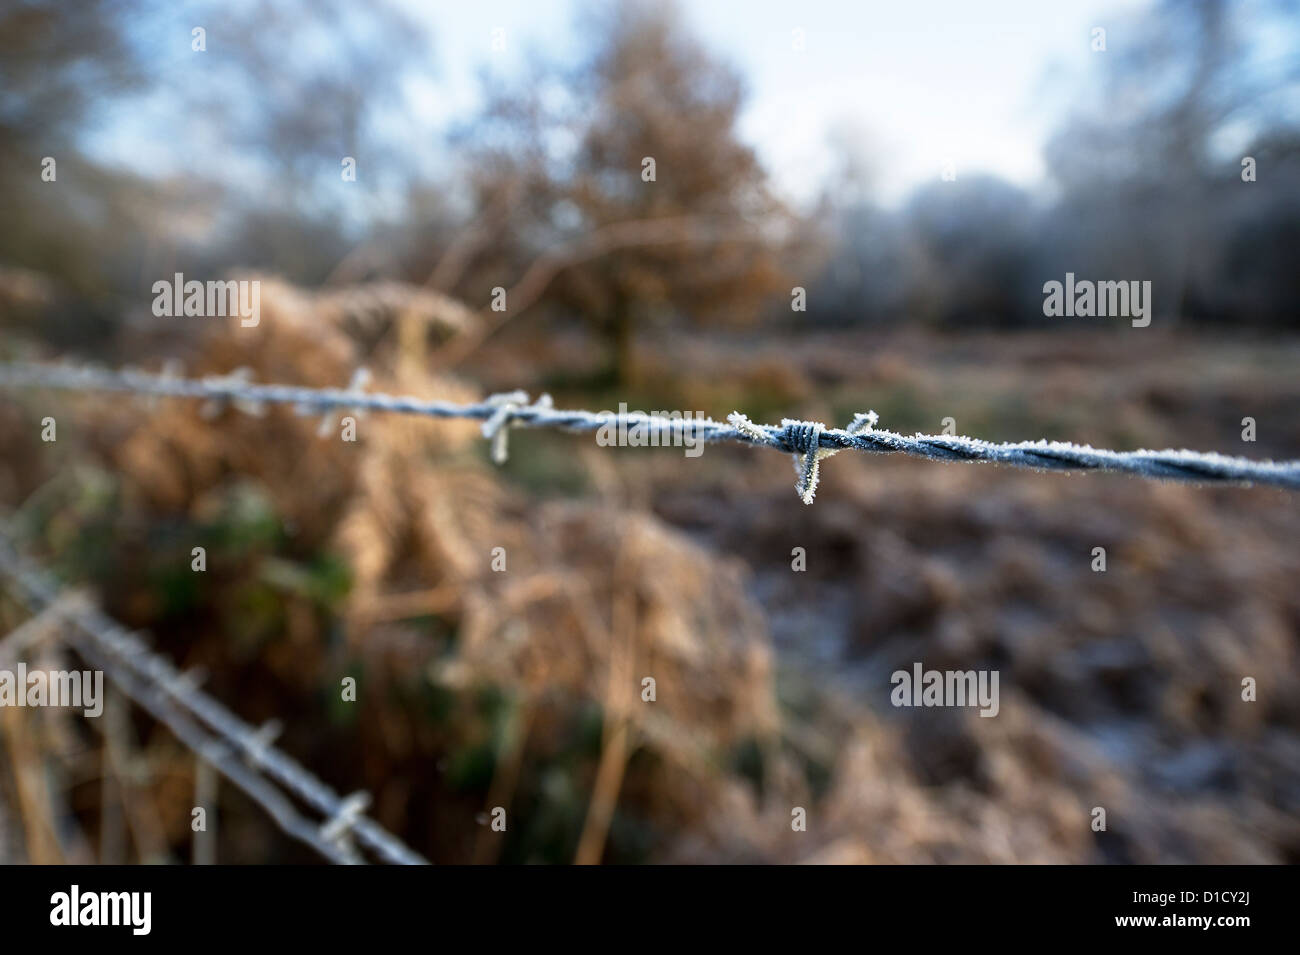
point(810, 441)
point(237, 750)
point(219, 754)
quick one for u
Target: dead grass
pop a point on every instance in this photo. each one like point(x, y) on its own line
point(523, 688)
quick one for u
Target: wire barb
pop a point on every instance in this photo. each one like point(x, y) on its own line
point(357, 385)
point(508, 406)
point(804, 440)
point(337, 827)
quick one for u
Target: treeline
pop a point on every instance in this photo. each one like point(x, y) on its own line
point(613, 187)
point(977, 252)
point(1181, 168)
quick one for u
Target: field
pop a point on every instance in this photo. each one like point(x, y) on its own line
point(522, 686)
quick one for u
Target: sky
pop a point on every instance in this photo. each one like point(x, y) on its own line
point(914, 85)
point(917, 83)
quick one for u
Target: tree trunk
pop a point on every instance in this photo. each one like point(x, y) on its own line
point(624, 340)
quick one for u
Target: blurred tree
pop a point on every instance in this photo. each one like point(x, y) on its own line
point(57, 63)
point(1256, 278)
point(974, 240)
point(300, 84)
point(631, 180)
point(958, 253)
point(56, 59)
point(233, 153)
point(1149, 164)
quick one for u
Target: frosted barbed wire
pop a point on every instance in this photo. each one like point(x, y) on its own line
point(170, 696)
point(809, 441)
point(218, 753)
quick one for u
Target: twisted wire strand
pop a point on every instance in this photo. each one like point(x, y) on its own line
point(217, 753)
point(172, 698)
point(810, 444)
